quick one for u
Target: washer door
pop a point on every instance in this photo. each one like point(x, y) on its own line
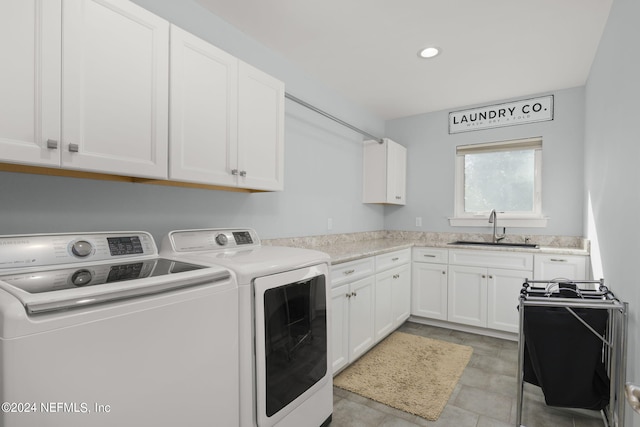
point(291, 340)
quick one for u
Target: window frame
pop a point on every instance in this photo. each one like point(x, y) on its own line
point(532, 218)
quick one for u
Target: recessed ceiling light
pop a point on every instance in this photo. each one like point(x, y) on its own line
point(428, 52)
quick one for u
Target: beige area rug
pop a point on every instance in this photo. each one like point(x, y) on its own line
point(408, 372)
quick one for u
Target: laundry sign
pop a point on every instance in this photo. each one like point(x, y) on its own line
point(498, 115)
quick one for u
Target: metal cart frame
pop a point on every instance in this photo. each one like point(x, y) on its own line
point(615, 338)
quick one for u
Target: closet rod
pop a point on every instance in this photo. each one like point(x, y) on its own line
point(329, 116)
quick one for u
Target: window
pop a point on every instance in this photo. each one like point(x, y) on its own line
point(504, 176)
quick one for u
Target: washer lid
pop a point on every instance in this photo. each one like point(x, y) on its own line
point(74, 286)
point(36, 282)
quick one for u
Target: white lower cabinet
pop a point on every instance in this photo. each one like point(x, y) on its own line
point(353, 320)
point(429, 283)
point(480, 288)
point(393, 300)
point(485, 297)
point(352, 307)
point(339, 326)
point(361, 317)
point(467, 296)
point(401, 295)
point(503, 292)
point(371, 297)
point(552, 266)
point(483, 291)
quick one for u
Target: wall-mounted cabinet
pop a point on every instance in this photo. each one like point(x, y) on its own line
point(86, 86)
point(203, 111)
point(385, 172)
point(227, 118)
point(30, 39)
point(260, 129)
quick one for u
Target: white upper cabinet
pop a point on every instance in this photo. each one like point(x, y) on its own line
point(30, 40)
point(227, 118)
point(203, 111)
point(84, 86)
point(385, 172)
point(260, 130)
point(115, 88)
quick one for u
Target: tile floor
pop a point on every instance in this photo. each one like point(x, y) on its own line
point(485, 396)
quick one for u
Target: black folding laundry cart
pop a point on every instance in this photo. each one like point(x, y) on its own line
point(572, 344)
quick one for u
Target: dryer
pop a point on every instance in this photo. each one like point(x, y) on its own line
point(284, 319)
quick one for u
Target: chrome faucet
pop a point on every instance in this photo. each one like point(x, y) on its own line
point(493, 219)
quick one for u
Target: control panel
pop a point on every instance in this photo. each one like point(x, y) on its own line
point(54, 249)
point(213, 239)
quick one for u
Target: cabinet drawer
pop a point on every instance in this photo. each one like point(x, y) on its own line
point(432, 255)
point(393, 259)
point(557, 266)
point(352, 270)
point(492, 259)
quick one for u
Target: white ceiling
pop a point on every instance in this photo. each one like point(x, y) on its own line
point(366, 50)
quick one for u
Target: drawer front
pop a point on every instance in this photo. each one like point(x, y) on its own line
point(492, 259)
point(556, 266)
point(432, 255)
point(393, 259)
point(352, 270)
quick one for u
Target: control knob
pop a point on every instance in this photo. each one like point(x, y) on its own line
point(81, 277)
point(221, 239)
point(81, 248)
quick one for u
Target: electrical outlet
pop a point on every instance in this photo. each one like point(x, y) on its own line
point(329, 223)
point(418, 221)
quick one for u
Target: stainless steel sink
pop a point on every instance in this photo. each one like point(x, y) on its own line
point(505, 244)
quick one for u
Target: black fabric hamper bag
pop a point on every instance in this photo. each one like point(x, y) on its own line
point(565, 358)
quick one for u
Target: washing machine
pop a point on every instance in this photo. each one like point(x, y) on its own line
point(284, 323)
point(97, 330)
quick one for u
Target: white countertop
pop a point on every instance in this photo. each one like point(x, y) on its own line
point(343, 252)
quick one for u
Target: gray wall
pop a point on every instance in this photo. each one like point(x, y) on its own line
point(430, 188)
point(612, 153)
point(323, 167)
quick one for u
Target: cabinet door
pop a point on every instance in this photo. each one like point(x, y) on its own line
point(467, 296)
point(361, 320)
point(260, 130)
point(383, 304)
point(340, 327)
point(503, 292)
point(548, 267)
point(401, 294)
point(429, 297)
point(384, 172)
point(30, 42)
point(115, 83)
point(397, 175)
point(203, 111)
